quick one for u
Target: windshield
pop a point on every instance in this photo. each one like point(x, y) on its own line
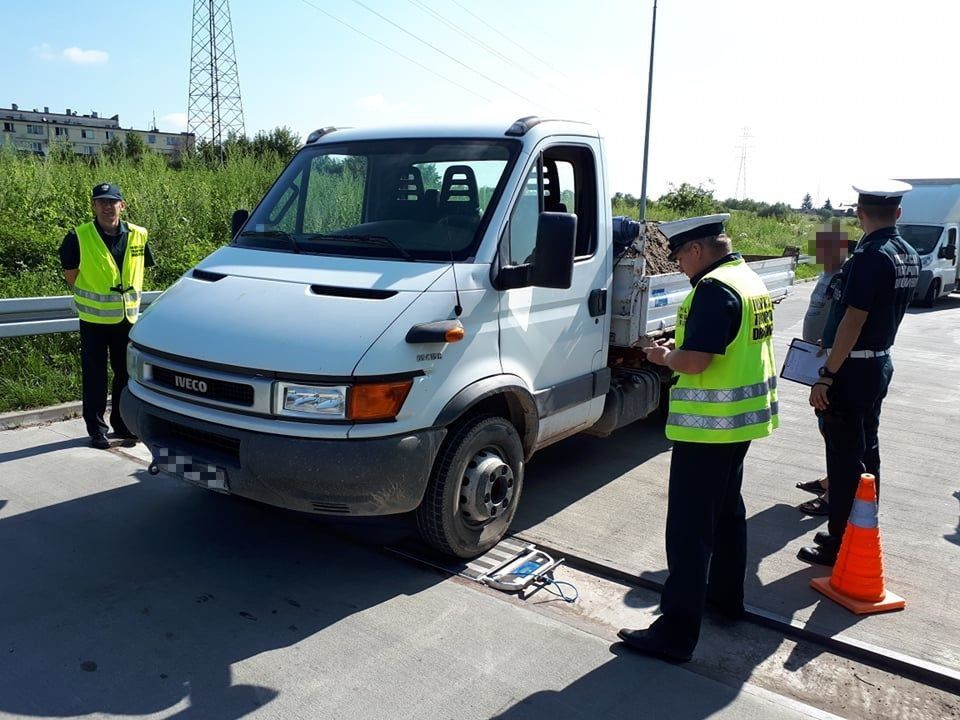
point(406, 200)
point(923, 238)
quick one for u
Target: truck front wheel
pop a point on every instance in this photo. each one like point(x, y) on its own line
point(474, 488)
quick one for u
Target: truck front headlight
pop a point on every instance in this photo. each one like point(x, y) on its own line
point(311, 401)
point(926, 260)
point(133, 364)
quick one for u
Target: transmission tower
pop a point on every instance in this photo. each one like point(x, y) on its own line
point(215, 111)
point(742, 170)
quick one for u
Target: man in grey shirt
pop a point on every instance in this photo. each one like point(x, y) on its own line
point(831, 250)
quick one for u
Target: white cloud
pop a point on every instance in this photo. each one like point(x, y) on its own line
point(85, 57)
point(174, 122)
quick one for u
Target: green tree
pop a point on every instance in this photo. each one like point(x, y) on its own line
point(61, 151)
point(113, 149)
point(135, 148)
point(807, 204)
point(281, 141)
point(827, 205)
point(690, 200)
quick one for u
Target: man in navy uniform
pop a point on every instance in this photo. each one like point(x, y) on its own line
point(724, 398)
point(877, 283)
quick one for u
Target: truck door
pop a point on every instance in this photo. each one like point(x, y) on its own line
point(556, 339)
point(953, 278)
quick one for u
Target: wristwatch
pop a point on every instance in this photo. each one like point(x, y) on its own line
point(824, 373)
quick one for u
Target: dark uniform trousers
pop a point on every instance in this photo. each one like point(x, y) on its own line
point(96, 342)
point(850, 424)
point(706, 540)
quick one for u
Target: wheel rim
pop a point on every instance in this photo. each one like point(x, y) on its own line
point(487, 487)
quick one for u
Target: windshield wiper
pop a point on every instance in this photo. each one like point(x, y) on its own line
point(379, 240)
point(274, 234)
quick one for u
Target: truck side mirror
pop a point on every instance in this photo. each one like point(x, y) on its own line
point(552, 265)
point(237, 220)
point(948, 252)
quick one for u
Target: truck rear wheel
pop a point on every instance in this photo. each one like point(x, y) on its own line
point(474, 488)
point(932, 292)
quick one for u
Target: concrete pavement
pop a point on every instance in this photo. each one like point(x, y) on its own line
point(131, 595)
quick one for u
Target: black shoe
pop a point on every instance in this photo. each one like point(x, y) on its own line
point(726, 612)
point(129, 439)
point(818, 554)
point(642, 641)
point(824, 538)
point(100, 442)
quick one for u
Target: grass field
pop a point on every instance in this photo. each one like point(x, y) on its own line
point(187, 212)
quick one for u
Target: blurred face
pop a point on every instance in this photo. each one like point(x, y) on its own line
point(830, 247)
point(107, 211)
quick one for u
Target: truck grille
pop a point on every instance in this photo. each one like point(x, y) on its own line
point(230, 447)
point(204, 387)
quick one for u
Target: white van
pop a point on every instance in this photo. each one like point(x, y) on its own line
point(929, 221)
point(403, 321)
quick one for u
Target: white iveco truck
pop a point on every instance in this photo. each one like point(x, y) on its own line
point(403, 321)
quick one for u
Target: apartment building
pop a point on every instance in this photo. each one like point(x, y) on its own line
point(34, 131)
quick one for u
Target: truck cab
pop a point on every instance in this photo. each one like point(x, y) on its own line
point(930, 222)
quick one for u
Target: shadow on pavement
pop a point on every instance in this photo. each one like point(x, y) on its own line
point(627, 686)
point(43, 449)
point(139, 599)
point(562, 474)
point(947, 302)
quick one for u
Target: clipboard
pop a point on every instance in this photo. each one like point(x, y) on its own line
point(802, 365)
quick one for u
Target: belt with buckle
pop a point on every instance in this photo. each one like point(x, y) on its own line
point(869, 353)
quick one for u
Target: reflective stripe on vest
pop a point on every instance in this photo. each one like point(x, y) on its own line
point(723, 422)
point(100, 293)
point(735, 398)
point(727, 394)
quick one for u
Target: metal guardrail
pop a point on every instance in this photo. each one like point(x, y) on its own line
point(45, 315)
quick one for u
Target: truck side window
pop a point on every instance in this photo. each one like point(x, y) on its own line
point(523, 222)
point(569, 185)
point(952, 237)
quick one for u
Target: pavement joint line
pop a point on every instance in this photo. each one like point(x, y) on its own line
point(922, 671)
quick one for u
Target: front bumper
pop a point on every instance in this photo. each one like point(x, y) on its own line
point(378, 476)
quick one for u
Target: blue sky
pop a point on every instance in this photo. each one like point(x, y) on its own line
point(831, 90)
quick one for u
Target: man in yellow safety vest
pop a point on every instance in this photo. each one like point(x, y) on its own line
point(104, 261)
point(724, 396)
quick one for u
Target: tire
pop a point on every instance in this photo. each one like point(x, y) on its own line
point(932, 292)
point(474, 488)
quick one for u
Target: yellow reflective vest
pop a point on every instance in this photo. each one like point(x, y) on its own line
point(735, 398)
point(99, 292)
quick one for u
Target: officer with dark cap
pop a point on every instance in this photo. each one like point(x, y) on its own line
point(724, 397)
point(877, 283)
point(103, 261)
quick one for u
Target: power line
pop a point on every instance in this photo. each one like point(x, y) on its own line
point(742, 171)
point(512, 42)
point(489, 48)
point(396, 52)
point(445, 54)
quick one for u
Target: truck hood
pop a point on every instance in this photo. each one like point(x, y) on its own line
point(282, 313)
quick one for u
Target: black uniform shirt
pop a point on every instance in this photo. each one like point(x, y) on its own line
point(116, 244)
point(879, 279)
point(715, 313)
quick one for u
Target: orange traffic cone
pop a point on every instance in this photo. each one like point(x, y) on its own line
point(857, 580)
